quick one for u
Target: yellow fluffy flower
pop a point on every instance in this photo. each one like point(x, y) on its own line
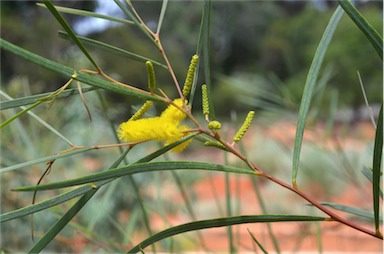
point(165, 128)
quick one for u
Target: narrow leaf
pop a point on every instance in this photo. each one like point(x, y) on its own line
point(257, 242)
point(48, 203)
point(220, 222)
point(25, 110)
point(206, 55)
point(377, 154)
point(43, 160)
point(198, 52)
point(139, 168)
point(37, 118)
point(162, 14)
point(310, 83)
point(34, 98)
point(88, 14)
point(369, 175)
point(68, 29)
point(351, 210)
point(112, 49)
point(372, 35)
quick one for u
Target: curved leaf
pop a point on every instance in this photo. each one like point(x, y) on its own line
point(376, 168)
point(221, 222)
point(309, 87)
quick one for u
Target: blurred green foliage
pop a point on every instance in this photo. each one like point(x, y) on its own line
point(264, 38)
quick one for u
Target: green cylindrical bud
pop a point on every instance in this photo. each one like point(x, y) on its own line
point(215, 144)
point(141, 111)
point(205, 99)
point(247, 123)
point(151, 76)
point(190, 75)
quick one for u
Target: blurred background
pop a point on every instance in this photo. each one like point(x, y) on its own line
point(260, 55)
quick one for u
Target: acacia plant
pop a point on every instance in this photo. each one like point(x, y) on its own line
point(168, 129)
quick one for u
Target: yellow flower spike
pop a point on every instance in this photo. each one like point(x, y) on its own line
point(164, 128)
point(190, 75)
point(151, 76)
point(182, 132)
point(142, 110)
point(205, 100)
point(174, 114)
point(247, 123)
point(214, 125)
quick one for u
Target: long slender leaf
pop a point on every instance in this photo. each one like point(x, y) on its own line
point(89, 14)
point(228, 205)
point(68, 29)
point(24, 211)
point(37, 118)
point(366, 100)
point(206, 55)
point(112, 49)
point(310, 83)
point(369, 175)
point(372, 35)
point(258, 243)
point(220, 222)
point(43, 160)
point(352, 210)
point(25, 110)
point(198, 52)
point(377, 154)
point(138, 168)
point(68, 216)
point(162, 14)
point(68, 72)
point(34, 98)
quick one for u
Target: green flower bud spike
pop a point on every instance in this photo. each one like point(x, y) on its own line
point(190, 75)
point(215, 144)
point(151, 76)
point(214, 125)
point(205, 100)
point(141, 111)
point(240, 133)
